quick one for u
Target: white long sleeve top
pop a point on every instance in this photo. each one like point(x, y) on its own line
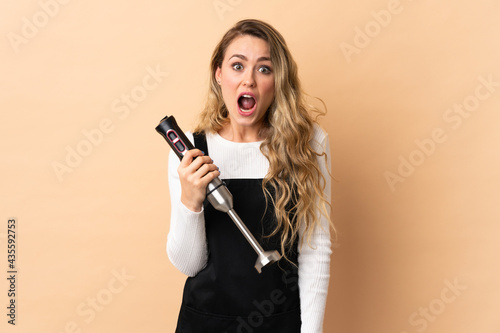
point(187, 244)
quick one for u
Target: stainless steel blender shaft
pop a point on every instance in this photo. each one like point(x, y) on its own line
point(220, 197)
point(264, 257)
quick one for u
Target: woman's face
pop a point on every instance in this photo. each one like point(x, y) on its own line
point(247, 81)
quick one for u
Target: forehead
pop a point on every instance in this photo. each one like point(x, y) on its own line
point(249, 46)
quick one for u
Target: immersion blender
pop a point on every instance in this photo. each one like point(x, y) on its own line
point(217, 193)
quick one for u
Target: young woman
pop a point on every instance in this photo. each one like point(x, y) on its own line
point(263, 142)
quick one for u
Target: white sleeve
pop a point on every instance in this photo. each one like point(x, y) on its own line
point(186, 240)
point(314, 260)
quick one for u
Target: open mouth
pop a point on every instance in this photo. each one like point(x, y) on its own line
point(246, 102)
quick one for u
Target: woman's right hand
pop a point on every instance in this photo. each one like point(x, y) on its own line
point(196, 171)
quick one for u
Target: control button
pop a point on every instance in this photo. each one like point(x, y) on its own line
point(180, 146)
point(171, 135)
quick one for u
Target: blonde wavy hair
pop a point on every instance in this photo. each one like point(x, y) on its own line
point(294, 174)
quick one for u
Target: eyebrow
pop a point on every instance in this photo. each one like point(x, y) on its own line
point(241, 56)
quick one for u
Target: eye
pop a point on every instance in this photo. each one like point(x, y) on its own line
point(265, 70)
point(237, 66)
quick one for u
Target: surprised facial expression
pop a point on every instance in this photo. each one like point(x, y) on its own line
point(247, 81)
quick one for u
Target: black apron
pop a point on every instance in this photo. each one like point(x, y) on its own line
point(229, 295)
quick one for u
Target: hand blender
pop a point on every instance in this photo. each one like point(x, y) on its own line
point(217, 193)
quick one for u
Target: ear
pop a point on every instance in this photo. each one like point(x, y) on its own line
point(218, 75)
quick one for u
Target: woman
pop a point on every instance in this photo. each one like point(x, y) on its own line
point(272, 157)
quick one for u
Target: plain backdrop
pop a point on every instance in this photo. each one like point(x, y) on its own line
point(412, 90)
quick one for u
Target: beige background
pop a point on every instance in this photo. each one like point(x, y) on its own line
point(417, 180)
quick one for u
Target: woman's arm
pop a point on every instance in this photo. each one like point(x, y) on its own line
point(186, 241)
point(314, 259)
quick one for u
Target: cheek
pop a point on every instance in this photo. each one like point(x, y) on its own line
point(228, 90)
point(267, 85)
point(269, 90)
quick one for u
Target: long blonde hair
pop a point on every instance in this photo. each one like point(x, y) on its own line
point(294, 174)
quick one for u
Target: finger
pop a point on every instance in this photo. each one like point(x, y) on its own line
point(199, 162)
point(196, 160)
point(190, 156)
point(213, 174)
point(208, 177)
point(205, 169)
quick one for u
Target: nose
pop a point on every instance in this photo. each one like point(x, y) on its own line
point(248, 79)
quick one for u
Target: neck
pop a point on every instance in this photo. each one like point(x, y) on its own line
point(242, 134)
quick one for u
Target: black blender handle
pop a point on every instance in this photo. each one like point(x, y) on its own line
point(175, 137)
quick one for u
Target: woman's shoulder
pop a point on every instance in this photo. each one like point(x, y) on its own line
point(319, 139)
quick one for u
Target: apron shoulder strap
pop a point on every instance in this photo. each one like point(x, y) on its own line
point(200, 142)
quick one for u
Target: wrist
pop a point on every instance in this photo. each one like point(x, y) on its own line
point(194, 207)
